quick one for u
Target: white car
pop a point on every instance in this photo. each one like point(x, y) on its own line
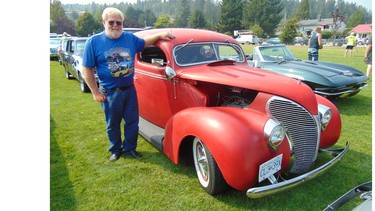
point(248, 39)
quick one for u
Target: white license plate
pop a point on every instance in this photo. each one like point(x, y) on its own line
point(270, 167)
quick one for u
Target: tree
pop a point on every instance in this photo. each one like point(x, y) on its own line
point(86, 24)
point(59, 22)
point(197, 20)
point(183, 16)
point(337, 19)
point(257, 30)
point(133, 14)
point(230, 17)
point(163, 22)
point(355, 19)
point(148, 17)
point(302, 12)
point(289, 31)
point(265, 13)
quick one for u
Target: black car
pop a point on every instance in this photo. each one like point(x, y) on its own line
point(72, 61)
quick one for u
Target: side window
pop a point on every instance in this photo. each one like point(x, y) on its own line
point(153, 55)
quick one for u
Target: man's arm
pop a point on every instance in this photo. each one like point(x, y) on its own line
point(88, 73)
point(320, 42)
point(368, 49)
point(150, 40)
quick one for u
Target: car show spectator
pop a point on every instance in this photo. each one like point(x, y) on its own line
point(368, 56)
point(111, 53)
point(315, 43)
point(351, 41)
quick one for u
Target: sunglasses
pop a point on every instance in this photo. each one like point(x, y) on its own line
point(118, 23)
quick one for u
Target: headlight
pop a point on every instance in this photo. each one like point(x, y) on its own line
point(274, 133)
point(325, 115)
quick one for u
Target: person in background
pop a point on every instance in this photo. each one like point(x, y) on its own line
point(351, 41)
point(368, 56)
point(112, 54)
point(315, 43)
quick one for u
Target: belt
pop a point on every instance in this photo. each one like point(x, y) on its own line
point(119, 89)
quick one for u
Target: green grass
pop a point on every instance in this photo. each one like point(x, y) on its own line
point(82, 177)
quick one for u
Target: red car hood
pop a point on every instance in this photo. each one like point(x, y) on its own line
point(239, 75)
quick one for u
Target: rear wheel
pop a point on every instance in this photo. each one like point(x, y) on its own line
point(208, 172)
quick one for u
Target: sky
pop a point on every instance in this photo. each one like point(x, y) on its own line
point(365, 3)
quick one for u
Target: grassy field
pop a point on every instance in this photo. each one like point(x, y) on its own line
point(82, 177)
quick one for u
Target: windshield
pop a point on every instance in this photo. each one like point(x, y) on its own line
point(276, 53)
point(200, 53)
point(54, 42)
point(80, 46)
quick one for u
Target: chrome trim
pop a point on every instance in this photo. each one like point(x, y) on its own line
point(151, 75)
point(270, 125)
point(302, 126)
point(259, 192)
point(339, 93)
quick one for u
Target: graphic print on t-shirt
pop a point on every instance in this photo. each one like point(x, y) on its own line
point(119, 62)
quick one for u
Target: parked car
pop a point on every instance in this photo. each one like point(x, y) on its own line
point(200, 101)
point(248, 39)
point(328, 79)
point(53, 45)
point(364, 191)
point(339, 41)
point(300, 41)
point(132, 30)
point(274, 41)
point(62, 48)
point(72, 61)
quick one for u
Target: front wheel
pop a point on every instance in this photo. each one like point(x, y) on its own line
point(208, 172)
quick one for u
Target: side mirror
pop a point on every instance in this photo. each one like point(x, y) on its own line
point(169, 73)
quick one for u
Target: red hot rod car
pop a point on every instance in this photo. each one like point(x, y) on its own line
point(199, 100)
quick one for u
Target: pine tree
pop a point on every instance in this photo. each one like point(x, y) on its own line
point(231, 16)
point(265, 13)
point(182, 19)
point(302, 12)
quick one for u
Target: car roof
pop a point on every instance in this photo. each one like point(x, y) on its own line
point(184, 35)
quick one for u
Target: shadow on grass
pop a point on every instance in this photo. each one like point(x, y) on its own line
point(319, 185)
point(352, 106)
point(62, 196)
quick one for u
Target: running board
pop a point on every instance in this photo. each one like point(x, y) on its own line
point(152, 133)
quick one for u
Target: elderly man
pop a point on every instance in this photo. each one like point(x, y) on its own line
point(112, 53)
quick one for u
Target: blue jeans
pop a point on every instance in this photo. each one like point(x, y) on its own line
point(118, 106)
point(313, 54)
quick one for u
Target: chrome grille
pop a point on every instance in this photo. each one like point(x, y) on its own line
point(302, 128)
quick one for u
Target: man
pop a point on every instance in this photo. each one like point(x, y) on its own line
point(315, 43)
point(368, 56)
point(112, 54)
point(351, 41)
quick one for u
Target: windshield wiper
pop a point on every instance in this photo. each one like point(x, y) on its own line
point(183, 46)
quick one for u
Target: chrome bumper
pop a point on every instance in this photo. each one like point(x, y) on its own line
point(340, 93)
point(262, 191)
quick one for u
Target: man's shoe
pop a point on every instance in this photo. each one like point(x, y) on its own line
point(134, 154)
point(114, 157)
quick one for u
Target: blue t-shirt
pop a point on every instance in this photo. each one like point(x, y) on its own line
point(112, 58)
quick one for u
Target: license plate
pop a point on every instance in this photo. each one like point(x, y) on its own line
point(270, 167)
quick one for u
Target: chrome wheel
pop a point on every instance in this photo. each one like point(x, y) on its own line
point(201, 162)
point(208, 172)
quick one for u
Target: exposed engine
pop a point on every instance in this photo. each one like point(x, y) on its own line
point(237, 97)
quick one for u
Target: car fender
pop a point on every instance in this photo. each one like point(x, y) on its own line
point(331, 134)
point(234, 137)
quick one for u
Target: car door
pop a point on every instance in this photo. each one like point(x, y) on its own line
point(70, 57)
point(155, 92)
